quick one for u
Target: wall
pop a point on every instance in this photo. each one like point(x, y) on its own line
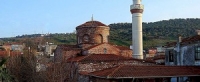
point(103, 49)
point(77, 71)
point(186, 56)
point(96, 34)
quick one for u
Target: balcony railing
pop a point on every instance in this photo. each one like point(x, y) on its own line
point(137, 6)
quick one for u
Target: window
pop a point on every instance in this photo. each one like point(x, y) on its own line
point(99, 38)
point(105, 50)
point(197, 53)
point(86, 38)
point(171, 56)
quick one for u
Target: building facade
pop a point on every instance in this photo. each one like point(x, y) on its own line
point(184, 52)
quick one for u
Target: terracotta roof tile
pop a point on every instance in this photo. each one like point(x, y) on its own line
point(119, 47)
point(123, 47)
point(191, 39)
point(147, 71)
point(187, 40)
point(98, 57)
point(91, 24)
point(159, 57)
point(94, 46)
point(3, 53)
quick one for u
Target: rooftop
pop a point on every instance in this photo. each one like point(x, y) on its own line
point(187, 40)
point(98, 57)
point(126, 71)
point(91, 24)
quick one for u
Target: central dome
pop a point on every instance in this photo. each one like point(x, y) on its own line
point(91, 24)
point(92, 32)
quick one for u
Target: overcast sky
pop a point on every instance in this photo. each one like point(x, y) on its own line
point(18, 17)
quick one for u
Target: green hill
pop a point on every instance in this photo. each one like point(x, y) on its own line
point(154, 33)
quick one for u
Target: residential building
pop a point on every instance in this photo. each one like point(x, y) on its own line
point(184, 52)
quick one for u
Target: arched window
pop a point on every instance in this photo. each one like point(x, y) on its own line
point(99, 38)
point(105, 50)
point(86, 38)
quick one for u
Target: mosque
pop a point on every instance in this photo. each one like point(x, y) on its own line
point(95, 59)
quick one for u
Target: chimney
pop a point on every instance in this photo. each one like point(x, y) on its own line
point(198, 32)
point(179, 38)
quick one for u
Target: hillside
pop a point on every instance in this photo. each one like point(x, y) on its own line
point(154, 33)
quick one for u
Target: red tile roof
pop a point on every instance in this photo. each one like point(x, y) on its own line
point(191, 39)
point(91, 24)
point(126, 71)
point(159, 57)
point(3, 53)
point(188, 40)
point(123, 47)
point(119, 47)
point(98, 57)
point(94, 46)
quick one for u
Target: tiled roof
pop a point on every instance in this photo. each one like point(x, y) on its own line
point(91, 24)
point(119, 47)
point(94, 46)
point(188, 40)
point(123, 47)
point(98, 57)
point(191, 39)
point(3, 53)
point(159, 57)
point(126, 71)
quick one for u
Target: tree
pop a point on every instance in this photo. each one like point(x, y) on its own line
point(3, 72)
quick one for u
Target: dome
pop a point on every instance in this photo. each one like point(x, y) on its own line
point(91, 24)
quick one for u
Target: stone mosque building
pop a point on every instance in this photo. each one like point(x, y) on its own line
point(94, 59)
point(92, 38)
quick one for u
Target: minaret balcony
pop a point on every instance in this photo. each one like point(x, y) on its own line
point(137, 6)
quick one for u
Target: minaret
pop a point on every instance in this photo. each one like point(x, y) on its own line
point(137, 41)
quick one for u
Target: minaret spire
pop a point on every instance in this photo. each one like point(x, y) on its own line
point(92, 19)
point(137, 41)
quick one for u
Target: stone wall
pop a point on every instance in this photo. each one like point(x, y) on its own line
point(62, 54)
point(103, 49)
point(126, 53)
point(70, 54)
point(96, 66)
point(96, 34)
point(186, 56)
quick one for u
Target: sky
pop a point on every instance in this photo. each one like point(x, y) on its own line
point(20, 17)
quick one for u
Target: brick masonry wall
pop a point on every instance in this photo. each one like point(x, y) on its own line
point(70, 53)
point(96, 66)
point(108, 49)
point(104, 49)
point(76, 70)
point(96, 34)
point(127, 53)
